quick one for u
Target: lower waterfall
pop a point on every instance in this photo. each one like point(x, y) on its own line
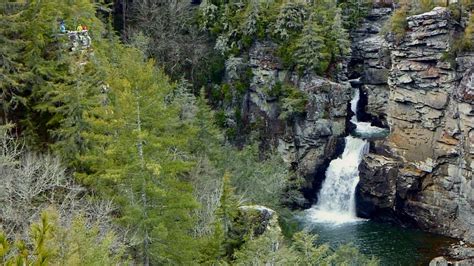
point(336, 200)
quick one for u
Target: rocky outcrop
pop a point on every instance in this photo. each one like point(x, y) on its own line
point(459, 255)
point(311, 140)
point(260, 218)
point(79, 40)
point(426, 177)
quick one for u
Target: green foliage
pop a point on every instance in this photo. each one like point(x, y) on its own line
point(291, 18)
point(133, 137)
point(398, 23)
point(258, 181)
point(468, 37)
point(354, 11)
point(270, 248)
point(310, 48)
point(310, 35)
point(50, 86)
point(54, 244)
point(263, 250)
point(139, 151)
point(293, 102)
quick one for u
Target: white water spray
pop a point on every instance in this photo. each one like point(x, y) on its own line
point(363, 129)
point(336, 201)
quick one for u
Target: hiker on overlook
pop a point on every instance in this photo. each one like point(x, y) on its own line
point(79, 28)
point(62, 27)
point(84, 27)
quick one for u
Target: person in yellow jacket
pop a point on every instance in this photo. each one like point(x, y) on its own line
point(79, 28)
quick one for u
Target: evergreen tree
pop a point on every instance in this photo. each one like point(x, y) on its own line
point(339, 38)
point(13, 72)
point(138, 155)
point(46, 89)
point(311, 48)
point(55, 244)
point(227, 213)
point(307, 253)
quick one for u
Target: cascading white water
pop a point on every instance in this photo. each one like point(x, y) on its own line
point(336, 200)
point(363, 129)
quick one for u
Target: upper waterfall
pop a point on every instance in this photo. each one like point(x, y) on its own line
point(364, 129)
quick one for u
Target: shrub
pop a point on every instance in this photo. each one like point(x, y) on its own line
point(468, 38)
point(398, 23)
point(293, 102)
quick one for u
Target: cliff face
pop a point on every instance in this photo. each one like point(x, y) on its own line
point(371, 62)
point(306, 141)
point(422, 174)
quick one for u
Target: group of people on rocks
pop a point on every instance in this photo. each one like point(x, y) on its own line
point(79, 38)
point(62, 27)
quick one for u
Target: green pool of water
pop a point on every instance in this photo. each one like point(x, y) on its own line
point(392, 245)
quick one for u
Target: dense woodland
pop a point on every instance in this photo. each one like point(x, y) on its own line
point(119, 154)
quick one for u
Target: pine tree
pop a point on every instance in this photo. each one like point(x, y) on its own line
point(13, 72)
point(46, 89)
point(307, 253)
point(227, 213)
point(138, 154)
point(339, 37)
point(55, 244)
point(311, 48)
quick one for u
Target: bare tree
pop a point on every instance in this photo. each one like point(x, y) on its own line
point(175, 39)
point(31, 182)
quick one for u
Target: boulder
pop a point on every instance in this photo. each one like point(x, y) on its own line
point(465, 90)
point(260, 218)
point(376, 191)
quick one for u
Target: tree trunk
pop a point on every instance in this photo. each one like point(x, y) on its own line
point(124, 18)
point(146, 243)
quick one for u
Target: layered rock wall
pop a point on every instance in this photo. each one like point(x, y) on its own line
point(371, 63)
point(425, 177)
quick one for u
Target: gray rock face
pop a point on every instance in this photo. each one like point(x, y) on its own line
point(459, 256)
point(378, 185)
point(371, 60)
point(427, 179)
point(79, 40)
point(307, 140)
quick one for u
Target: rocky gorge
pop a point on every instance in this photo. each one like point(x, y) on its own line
point(421, 174)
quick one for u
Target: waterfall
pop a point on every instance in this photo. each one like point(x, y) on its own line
point(364, 129)
point(336, 200)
